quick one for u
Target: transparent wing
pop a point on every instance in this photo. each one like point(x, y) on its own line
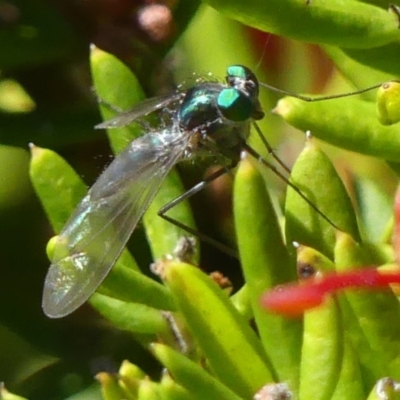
point(96, 233)
point(142, 109)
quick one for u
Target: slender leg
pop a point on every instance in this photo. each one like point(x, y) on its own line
point(186, 195)
point(321, 98)
point(270, 149)
point(272, 167)
point(108, 105)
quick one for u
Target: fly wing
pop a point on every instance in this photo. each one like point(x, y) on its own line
point(96, 233)
point(144, 108)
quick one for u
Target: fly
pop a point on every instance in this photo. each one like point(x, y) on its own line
point(211, 119)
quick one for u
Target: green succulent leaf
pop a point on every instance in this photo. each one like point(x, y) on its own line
point(172, 390)
point(355, 25)
point(132, 317)
point(322, 352)
point(338, 122)
point(350, 381)
point(199, 383)
point(266, 263)
point(374, 311)
point(388, 103)
point(315, 176)
point(231, 348)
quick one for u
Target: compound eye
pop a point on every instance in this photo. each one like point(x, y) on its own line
point(239, 71)
point(235, 105)
point(241, 77)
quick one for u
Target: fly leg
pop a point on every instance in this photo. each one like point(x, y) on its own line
point(271, 151)
point(272, 167)
point(195, 189)
point(109, 106)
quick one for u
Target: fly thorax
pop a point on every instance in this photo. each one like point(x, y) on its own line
point(217, 117)
point(198, 110)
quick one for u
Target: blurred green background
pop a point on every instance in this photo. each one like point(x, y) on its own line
point(46, 99)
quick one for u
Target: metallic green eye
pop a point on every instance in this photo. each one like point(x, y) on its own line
point(235, 105)
point(238, 71)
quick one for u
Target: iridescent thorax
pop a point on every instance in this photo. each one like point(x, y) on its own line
point(222, 113)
